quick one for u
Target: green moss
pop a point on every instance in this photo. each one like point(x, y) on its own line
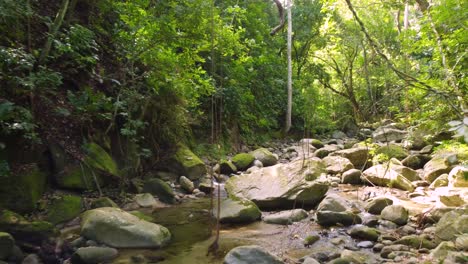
point(98, 158)
point(417, 242)
point(392, 151)
point(159, 188)
point(226, 167)
point(103, 202)
point(310, 240)
point(21, 190)
point(64, 209)
point(142, 216)
point(242, 161)
point(188, 164)
point(447, 147)
point(78, 177)
point(24, 230)
point(317, 143)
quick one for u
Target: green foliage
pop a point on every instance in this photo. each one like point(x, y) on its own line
point(17, 120)
point(453, 147)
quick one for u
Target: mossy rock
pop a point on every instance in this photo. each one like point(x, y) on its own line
point(227, 167)
point(160, 189)
point(392, 151)
point(65, 208)
point(317, 143)
point(78, 177)
point(142, 216)
point(243, 161)
point(417, 242)
point(310, 240)
point(98, 158)
point(103, 202)
point(265, 156)
point(186, 163)
point(21, 190)
point(7, 243)
point(23, 230)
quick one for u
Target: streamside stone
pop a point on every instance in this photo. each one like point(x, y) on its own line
point(395, 213)
point(286, 217)
point(65, 208)
point(7, 243)
point(243, 161)
point(186, 184)
point(265, 156)
point(334, 210)
point(376, 205)
point(23, 230)
point(185, 162)
point(437, 166)
point(417, 241)
point(278, 186)
point(352, 176)
point(117, 228)
point(227, 167)
point(357, 156)
point(250, 255)
point(238, 211)
point(451, 225)
point(364, 232)
point(93, 255)
point(384, 175)
point(337, 164)
point(103, 202)
point(388, 134)
point(160, 189)
point(458, 177)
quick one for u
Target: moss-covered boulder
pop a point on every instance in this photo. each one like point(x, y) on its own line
point(243, 161)
point(451, 225)
point(103, 202)
point(185, 162)
point(357, 156)
point(227, 167)
point(364, 232)
point(392, 151)
point(160, 189)
point(23, 230)
point(65, 208)
point(117, 228)
point(7, 243)
point(415, 161)
point(395, 213)
point(98, 158)
point(265, 156)
point(238, 211)
point(417, 241)
point(376, 205)
point(22, 188)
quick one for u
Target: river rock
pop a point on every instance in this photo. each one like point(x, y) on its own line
point(103, 202)
point(452, 199)
point(334, 210)
point(34, 232)
point(417, 241)
point(458, 177)
point(352, 176)
point(93, 255)
point(279, 186)
point(392, 151)
point(65, 208)
point(145, 199)
point(357, 156)
point(243, 161)
point(227, 167)
point(415, 161)
point(384, 175)
point(185, 162)
point(441, 251)
point(117, 228)
point(186, 184)
point(337, 164)
point(461, 242)
point(395, 213)
point(309, 260)
point(376, 205)
point(452, 224)
point(250, 255)
point(286, 217)
point(32, 259)
point(387, 250)
point(160, 189)
point(7, 242)
point(406, 172)
point(316, 143)
point(388, 134)
point(364, 232)
point(357, 257)
point(437, 166)
point(265, 156)
point(441, 181)
point(238, 211)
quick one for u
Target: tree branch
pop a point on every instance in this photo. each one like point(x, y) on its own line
point(281, 17)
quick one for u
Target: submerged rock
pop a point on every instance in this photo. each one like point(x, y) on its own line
point(286, 217)
point(238, 211)
point(250, 255)
point(117, 228)
point(278, 186)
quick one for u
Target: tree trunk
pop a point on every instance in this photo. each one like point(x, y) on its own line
point(289, 106)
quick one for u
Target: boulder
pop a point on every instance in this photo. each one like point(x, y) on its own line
point(406, 172)
point(439, 254)
point(461, 242)
point(103, 202)
point(338, 134)
point(441, 181)
point(392, 151)
point(395, 213)
point(286, 217)
point(227, 167)
point(357, 257)
point(357, 156)
point(415, 161)
point(265, 156)
point(453, 199)
point(145, 199)
point(21, 190)
point(93, 255)
point(458, 177)
point(384, 175)
point(22, 230)
point(160, 189)
point(185, 162)
point(364, 233)
point(243, 161)
point(337, 164)
point(334, 210)
point(352, 176)
point(117, 228)
point(376, 205)
point(238, 211)
point(65, 208)
point(417, 241)
point(334, 203)
point(250, 255)
point(186, 184)
point(279, 186)
point(316, 143)
point(436, 167)
point(7, 242)
point(388, 134)
point(451, 225)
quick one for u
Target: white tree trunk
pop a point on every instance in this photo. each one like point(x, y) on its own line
point(289, 107)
